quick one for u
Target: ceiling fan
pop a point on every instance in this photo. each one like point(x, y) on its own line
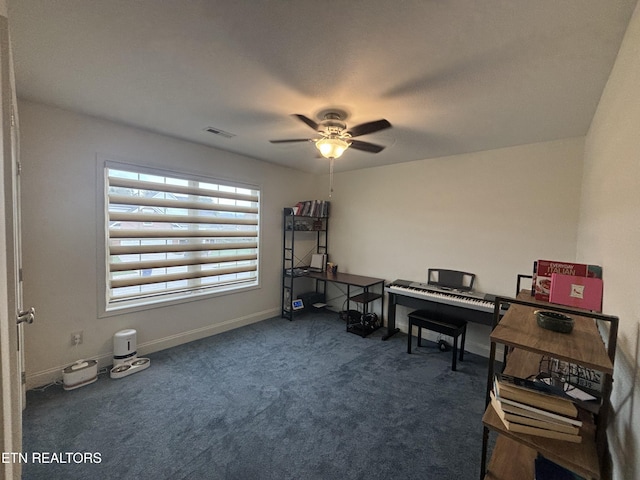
point(333, 137)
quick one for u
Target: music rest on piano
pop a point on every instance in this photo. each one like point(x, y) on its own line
point(472, 306)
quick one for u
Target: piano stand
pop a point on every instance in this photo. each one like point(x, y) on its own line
point(451, 326)
point(390, 333)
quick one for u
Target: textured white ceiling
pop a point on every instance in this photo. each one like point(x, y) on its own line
point(451, 76)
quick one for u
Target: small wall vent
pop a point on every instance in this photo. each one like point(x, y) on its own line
point(217, 131)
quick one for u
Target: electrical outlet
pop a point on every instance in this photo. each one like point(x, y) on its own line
point(76, 338)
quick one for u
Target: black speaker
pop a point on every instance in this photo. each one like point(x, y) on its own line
point(352, 316)
point(310, 298)
point(370, 320)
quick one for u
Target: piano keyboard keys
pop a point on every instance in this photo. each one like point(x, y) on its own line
point(474, 301)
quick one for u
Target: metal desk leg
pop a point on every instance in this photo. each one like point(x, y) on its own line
point(391, 318)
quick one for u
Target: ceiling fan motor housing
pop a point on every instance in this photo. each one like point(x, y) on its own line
point(333, 124)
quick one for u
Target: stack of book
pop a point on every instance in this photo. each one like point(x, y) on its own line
point(525, 407)
point(312, 208)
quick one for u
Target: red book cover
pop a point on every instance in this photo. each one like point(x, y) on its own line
point(579, 292)
point(545, 268)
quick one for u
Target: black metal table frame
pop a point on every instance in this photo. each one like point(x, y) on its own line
point(351, 280)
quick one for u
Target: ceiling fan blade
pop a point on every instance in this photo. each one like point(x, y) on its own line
point(366, 146)
point(292, 140)
point(307, 120)
point(369, 127)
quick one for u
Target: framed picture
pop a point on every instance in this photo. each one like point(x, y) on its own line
point(297, 304)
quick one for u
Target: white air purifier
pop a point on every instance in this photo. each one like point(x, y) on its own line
point(125, 354)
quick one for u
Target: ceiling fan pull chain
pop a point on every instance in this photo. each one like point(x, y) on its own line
point(331, 176)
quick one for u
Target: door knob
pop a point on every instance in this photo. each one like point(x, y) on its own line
point(26, 316)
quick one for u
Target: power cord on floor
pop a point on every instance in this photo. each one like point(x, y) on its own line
point(44, 387)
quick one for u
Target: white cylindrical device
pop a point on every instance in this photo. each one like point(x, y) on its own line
point(124, 346)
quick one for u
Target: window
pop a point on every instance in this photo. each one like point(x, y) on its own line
point(171, 236)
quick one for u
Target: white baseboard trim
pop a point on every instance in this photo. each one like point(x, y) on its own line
point(51, 375)
point(191, 335)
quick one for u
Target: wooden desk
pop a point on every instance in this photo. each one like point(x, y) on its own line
point(347, 279)
point(365, 297)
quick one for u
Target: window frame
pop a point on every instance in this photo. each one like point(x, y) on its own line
point(105, 308)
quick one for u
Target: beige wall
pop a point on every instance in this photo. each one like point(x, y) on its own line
point(488, 212)
point(492, 213)
point(609, 234)
point(60, 235)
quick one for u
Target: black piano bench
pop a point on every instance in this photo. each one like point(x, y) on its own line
point(451, 326)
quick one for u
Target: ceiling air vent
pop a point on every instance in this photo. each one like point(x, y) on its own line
point(217, 131)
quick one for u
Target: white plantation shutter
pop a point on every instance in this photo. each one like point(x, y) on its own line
point(169, 236)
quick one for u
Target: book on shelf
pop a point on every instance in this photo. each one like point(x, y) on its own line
point(545, 469)
point(541, 428)
point(574, 291)
point(512, 414)
point(311, 208)
point(537, 384)
point(523, 412)
point(514, 406)
point(528, 396)
point(543, 269)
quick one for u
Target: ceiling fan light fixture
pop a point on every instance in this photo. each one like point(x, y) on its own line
point(331, 147)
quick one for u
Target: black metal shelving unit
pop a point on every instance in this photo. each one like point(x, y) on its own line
point(295, 265)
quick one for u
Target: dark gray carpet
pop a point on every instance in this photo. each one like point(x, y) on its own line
point(275, 400)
